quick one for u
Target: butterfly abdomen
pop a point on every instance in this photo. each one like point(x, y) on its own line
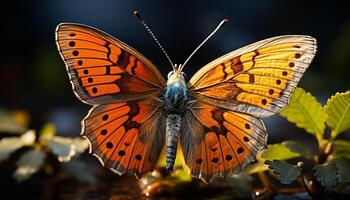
point(173, 122)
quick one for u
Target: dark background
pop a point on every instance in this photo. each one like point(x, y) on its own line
point(33, 76)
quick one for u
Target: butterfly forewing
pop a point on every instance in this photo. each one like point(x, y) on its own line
point(103, 69)
point(257, 79)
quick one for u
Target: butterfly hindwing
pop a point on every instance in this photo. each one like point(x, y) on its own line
point(103, 69)
point(127, 137)
point(218, 142)
point(257, 79)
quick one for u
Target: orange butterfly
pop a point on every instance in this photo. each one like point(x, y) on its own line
point(215, 116)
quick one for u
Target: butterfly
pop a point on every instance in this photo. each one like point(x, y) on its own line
point(214, 118)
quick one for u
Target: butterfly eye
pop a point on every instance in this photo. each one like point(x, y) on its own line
point(184, 75)
point(170, 74)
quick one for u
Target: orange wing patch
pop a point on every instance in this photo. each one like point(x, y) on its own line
point(218, 142)
point(103, 69)
point(257, 79)
point(125, 136)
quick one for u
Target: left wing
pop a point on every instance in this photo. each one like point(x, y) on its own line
point(126, 137)
point(257, 79)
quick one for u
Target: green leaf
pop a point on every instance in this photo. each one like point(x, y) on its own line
point(326, 174)
point(11, 144)
point(338, 110)
point(341, 149)
point(277, 152)
point(306, 112)
point(29, 163)
point(297, 148)
point(62, 147)
point(343, 166)
point(79, 170)
point(285, 172)
point(256, 168)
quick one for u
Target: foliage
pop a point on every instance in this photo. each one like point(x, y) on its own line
point(278, 152)
point(66, 150)
point(332, 162)
point(341, 149)
point(286, 173)
point(343, 166)
point(306, 112)
point(338, 110)
point(326, 174)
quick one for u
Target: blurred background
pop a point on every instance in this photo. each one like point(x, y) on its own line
point(33, 76)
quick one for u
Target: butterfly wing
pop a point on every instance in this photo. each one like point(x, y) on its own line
point(126, 137)
point(257, 79)
point(103, 69)
point(125, 125)
point(218, 142)
point(231, 93)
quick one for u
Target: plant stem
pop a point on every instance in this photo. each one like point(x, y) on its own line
point(313, 187)
point(267, 190)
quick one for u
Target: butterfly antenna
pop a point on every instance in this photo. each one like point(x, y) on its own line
point(224, 21)
point(139, 17)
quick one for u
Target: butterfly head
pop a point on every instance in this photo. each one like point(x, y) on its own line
point(176, 74)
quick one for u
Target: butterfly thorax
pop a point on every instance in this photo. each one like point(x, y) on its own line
point(175, 94)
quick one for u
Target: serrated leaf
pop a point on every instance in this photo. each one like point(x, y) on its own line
point(277, 152)
point(343, 166)
point(341, 149)
point(338, 110)
point(326, 174)
point(79, 170)
point(306, 112)
point(285, 172)
point(10, 145)
point(296, 147)
point(29, 163)
point(62, 147)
